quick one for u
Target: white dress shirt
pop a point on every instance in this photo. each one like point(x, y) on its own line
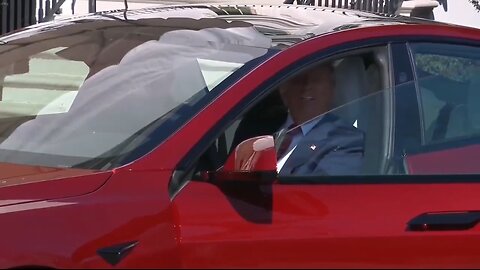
point(306, 128)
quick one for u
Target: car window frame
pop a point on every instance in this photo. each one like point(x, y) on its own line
point(403, 80)
point(179, 178)
point(184, 170)
point(419, 179)
point(447, 144)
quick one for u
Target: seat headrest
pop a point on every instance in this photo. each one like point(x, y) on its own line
point(351, 84)
point(351, 80)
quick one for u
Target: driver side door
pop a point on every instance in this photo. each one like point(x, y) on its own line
point(379, 218)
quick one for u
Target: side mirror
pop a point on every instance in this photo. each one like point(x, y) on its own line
point(254, 160)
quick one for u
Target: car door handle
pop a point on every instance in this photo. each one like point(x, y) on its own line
point(444, 221)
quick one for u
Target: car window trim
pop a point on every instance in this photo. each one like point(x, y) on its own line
point(452, 42)
point(185, 167)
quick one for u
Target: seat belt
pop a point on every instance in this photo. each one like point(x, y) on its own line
point(443, 119)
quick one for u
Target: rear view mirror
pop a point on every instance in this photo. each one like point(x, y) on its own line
point(254, 160)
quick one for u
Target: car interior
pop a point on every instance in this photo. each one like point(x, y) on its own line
point(447, 114)
point(360, 78)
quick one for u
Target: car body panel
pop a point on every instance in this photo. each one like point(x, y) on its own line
point(331, 226)
point(446, 159)
point(67, 233)
point(64, 223)
point(22, 183)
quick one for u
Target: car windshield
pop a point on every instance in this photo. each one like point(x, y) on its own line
point(91, 94)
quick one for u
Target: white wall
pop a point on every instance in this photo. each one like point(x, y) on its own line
point(459, 12)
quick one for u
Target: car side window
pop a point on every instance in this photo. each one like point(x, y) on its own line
point(333, 103)
point(449, 91)
point(341, 116)
point(448, 94)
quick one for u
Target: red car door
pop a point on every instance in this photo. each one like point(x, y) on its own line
point(395, 218)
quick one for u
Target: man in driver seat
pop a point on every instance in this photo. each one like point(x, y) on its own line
point(316, 142)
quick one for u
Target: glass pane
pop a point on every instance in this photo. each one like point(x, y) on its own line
point(449, 90)
point(214, 72)
point(89, 99)
point(333, 144)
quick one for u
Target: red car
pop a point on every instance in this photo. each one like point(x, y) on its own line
point(149, 139)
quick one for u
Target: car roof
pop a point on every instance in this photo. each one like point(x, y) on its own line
point(284, 24)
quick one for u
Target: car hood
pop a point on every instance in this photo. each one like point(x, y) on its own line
point(23, 183)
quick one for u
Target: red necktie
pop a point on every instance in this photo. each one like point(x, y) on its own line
point(292, 131)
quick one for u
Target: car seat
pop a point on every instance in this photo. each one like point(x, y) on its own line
point(351, 84)
point(354, 85)
point(446, 101)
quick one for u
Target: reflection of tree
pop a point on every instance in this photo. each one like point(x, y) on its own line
point(476, 4)
point(451, 67)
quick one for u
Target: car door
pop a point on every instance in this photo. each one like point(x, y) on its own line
point(388, 216)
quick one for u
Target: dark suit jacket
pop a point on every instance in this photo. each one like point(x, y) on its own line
point(332, 147)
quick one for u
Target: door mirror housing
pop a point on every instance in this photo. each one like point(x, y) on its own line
point(254, 160)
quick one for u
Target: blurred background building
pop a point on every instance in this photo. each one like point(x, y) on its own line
point(16, 14)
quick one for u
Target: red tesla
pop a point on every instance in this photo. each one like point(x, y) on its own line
point(153, 138)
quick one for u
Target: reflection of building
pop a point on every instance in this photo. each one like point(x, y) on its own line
point(15, 14)
point(462, 12)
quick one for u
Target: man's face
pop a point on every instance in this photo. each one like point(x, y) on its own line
point(309, 94)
